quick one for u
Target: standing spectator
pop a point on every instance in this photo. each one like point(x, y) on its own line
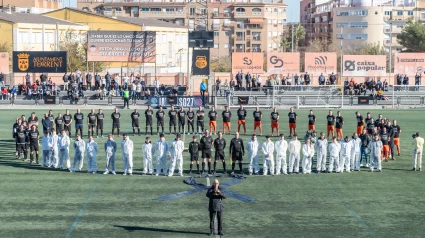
point(88, 81)
point(96, 81)
point(125, 81)
point(28, 80)
point(138, 90)
point(322, 79)
point(133, 90)
point(332, 79)
point(248, 78)
point(1, 80)
point(405, 81)
point(104, 83)
point(258, 81)
point(65, 82)
point(126, 97)
point(239, 79)
point(203, 88)
point(306, 78)
point(107, 81)
point(296, 77)
point(399, 79)
point(418, 144)
point(156, 84)
point(218, 87)
point(4, 93)
point(417, 81)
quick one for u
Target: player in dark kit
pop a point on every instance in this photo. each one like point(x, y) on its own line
point(115, 116)
point(99, 122)
point(190, 117)
point(35, 136)
point(339, 123)
point(397, 130)
point(200, 120)
point(172, 114)
point(67, 119)
point(27, 138)
point(331, 125)
point(219, 146)
point(274, 116)
point(148, 115)
point(33, 120)
point(160, 116)
point(59, 122)
point(227, 115)
point(257, 120)
point(236, 151)
point(212, 115)
point(135, 122)
point(182, 119)
point(194, 154)
point(360, 123)
point(205, 146)
point(20, 138)
point(91, 122)
point(385, 138)
point(311, 121)
point(241, 119)
point(79, 122)
point(52, 120)
point(292, 122)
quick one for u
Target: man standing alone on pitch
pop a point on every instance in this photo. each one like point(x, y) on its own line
point(127, 154)
point(213, 120)
point(115, 116)
point(79, 122)
point(172, 114)
point(257, 120)
point(292, 121)
point(241, 119)
point(135, 122)
point(237, 151)
point(148, 115)
point(219, 146)
point(215, 207)
point(91, 122)
point(418, 144)
point(205, 145)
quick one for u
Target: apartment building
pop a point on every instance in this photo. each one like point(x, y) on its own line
point(376, 21)
point(30, 6)
point(238, 25)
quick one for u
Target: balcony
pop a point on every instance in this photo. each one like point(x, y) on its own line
point(221, 15)
point(250, 26)
point(387, 43)
point(215, 27)
point(395, 30)
point(239, 50)
point(398, 18)
point(239, 38)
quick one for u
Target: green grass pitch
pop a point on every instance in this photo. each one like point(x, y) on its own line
point(39, 202)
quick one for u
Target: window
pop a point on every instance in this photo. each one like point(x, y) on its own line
point(269, 46)
point(227, 22)
point(164, 59)
point(360, 13)
point(178, 39)
point(274, 45)
point(256, 35)
point(192, 11)
point(388, 13)
point(170, 49)
point(145, 10)
point(341, 36)
point(158, 38)
point(324, 18)
point(422, 14)
point(399, 13)
point(358, 36)
point(203, 11)
point(275, 33)
point(226, 46)
point(410, 13)
point(240, 11)
point(216, 33)
point(155, 10)
point(36, 38)
point(269, 34)
point(256, 47)
point(256, 11)
point(164, 38)
point(50, 37)
point(358, 24)
point(227, 33)
point(215, 46)
point(342, 13)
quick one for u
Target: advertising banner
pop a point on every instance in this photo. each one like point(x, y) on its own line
point(409, 63)
point(364, 65)
point(283, 63)
point(121, 46)
point(177, 101)
point(4, 63)
point(39, 61)
point(320, 62)
point(201, 62)
point(247, 62)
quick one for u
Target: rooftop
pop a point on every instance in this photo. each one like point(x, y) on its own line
point(17, 17)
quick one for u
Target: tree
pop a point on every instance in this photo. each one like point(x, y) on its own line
point(412, 36)
point(284, 41)
point(6, 47)
point(299, 33)
point(222, 64)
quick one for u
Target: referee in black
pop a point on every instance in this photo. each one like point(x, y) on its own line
point(237, 152)
point(215, 207)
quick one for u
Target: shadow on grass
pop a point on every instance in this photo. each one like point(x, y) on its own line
point(20, 164)
point(141, 228)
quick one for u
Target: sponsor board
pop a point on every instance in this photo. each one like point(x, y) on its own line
point(177, 101)
point(283, 63)
point(4, 62)
point(320, 62)
point(247, 62)
point(364, 65)
point(39, 61)
point(121, 46)
point(409, 63)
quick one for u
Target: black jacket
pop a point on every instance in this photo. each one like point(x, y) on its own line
point(215, 203)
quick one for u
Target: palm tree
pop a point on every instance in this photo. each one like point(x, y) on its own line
point(299, 33)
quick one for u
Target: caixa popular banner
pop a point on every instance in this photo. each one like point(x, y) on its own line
point(39, 62)
point(177, 101)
